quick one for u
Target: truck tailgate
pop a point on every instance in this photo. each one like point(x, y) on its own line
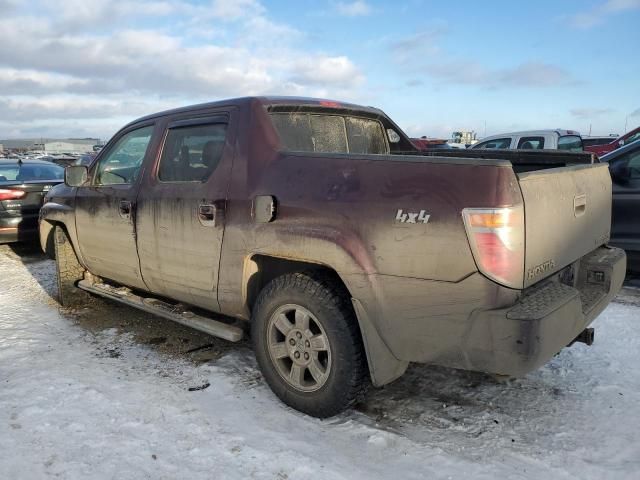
point(567, 215)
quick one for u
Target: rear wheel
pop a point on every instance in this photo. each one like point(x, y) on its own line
point(69, 271)
point(308, 344)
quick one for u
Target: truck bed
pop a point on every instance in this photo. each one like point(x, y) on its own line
point(522, 160)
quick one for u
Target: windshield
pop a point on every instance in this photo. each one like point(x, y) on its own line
point(28, 172)
point(326, 133)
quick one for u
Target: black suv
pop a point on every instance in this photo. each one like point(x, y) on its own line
point(624, 165)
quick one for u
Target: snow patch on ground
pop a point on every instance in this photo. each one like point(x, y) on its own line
point(79, 403)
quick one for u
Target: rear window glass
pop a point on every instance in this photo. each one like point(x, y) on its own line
point(572, 143)
point(495, 143)
point(308, 132)
point(28, 172)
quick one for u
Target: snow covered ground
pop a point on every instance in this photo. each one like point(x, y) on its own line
point(105, 393)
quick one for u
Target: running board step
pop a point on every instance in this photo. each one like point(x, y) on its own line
point(165, 310)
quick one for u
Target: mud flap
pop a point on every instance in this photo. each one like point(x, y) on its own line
point(384, 367)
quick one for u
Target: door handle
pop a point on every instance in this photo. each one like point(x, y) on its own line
point(210, 214)
point(124, 209)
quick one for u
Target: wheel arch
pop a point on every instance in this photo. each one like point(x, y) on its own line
point(54, 214)
point(261, 269)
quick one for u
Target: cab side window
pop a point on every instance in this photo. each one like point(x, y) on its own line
point(495, 143)
point(626, 168)
point(632, 138)
point(121, 164)
point(572, 143)
point(191, 153)
point(531, 143)
point(633, 164)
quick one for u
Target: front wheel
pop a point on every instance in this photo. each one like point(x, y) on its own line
point(308, 344)
point(69, 271)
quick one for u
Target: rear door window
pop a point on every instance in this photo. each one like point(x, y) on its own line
point(325, 133)
point(632, 138)
point(630, 160)
point(572, 143)
point(531, 143)
point(191, 153)
point(495, 143)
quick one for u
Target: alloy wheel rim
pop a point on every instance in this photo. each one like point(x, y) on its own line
point(299, 348)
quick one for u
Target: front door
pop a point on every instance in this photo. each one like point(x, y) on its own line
point(105, 209)
point(181, 205)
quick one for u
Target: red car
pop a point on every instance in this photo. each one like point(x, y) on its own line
point(425, 143)
point(625, 139)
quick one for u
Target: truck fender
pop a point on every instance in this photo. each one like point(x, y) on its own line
point(53, 214)
point(258, 270)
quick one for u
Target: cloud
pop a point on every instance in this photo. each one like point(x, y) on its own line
point(6, 5)
point(103, 68)
point(411, 48)
point(535, 74)
point(61, 107)
point(598, 14)
point(587, 113)
point(323, 70)
point(236, 9)
point(635, 113)
point(358, 8)
point(530, 74)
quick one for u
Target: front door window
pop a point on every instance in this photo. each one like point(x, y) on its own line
point(121, 164)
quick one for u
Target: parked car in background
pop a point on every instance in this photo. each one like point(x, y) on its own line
point(23, 185)
point(425, 144)
point(569, 140)
point(624, 165)
point(85, 159)
point(347, 252)
point(629, 137)
point(592, 141)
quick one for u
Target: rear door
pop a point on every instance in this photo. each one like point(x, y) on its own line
point(105, 208)
point(625, 226)
point(567, 215)
point(181, 206)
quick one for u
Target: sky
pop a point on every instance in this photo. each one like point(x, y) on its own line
point(80, 68)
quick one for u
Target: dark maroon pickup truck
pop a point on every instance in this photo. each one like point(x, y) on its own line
point(347, 253)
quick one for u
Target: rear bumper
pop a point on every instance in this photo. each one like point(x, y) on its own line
point(18, 228)
point(520, 338)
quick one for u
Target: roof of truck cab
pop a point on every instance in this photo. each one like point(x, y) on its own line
point(264, 100)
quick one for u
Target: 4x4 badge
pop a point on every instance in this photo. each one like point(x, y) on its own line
point(411, 217)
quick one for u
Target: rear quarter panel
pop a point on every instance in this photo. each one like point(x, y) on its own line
point(340, 211)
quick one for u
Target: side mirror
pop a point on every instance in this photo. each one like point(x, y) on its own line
point(76, 175)
point(621, 143)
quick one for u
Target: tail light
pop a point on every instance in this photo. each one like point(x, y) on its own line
point(6, 194)
point(496, 237)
